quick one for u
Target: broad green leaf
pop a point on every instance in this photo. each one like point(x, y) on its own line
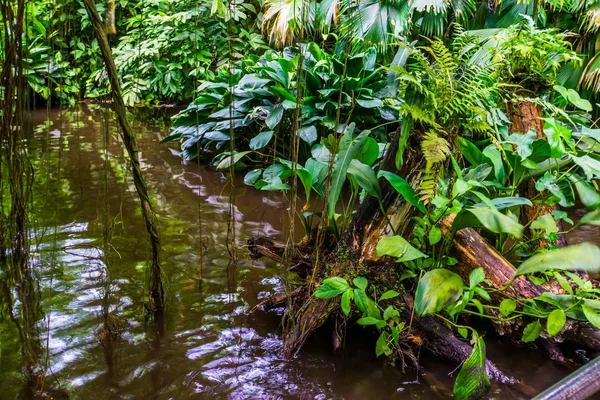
point(252, 176)
point(546, 223)
point(590, 166)
point(507, 306)
point(460, 187)
point(345, 303)
point(274, 117)
point(556, 134)
point(523, 142)
point(348, 148)
point(495, 156)
point(592, 315)
point(591, 218)
point(390, 294)
point(261, 140)
point(435, 235)
point(471, 152)
point(404, 188)
point(532, 332)
point(366, 178)
point(308, 134)
point(360, 282)
point(476, 277)
point(332, 287)
point(506, 202)
point(578, 257)
point(561, 189)
point(588, 194)
point(491, 219)
point(381, 346)
point(369, 152)
point(472, 381)
point(397, 246)
point(436, 290)
point(556, 321)
point(232, 159)
point(365, 304)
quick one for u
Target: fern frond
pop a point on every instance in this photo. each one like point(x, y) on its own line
point(435, 149)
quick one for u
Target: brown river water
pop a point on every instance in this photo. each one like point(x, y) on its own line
point(88, 253)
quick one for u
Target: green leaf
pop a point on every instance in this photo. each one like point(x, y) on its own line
point(360, 282)
point(546, 223)
point(403, 187)
point(397, 246)
point(348, 149)
point(588, 194)
point(308, 134)
point(332, 287)
point(381, 346)
point(261, 140)
point(345, 303)
point(561, 189)
point(369, 152)
point(555, 133)
point(532, 332)
point(232, 160)
point(395, 335)
point(390, 294)
point(366, 178)
point(390, 312)
point(435, 235)
point(252, 176)
point(490, 219)
point(556, 321)
point(592, 315)
point(365, 321)
point(365, 304)
point(507, 306)
point(506, 202)
point(523, 142)
point(578, 257)
point(436, 290)
point(591, 218)
point(274, 117)
point(590, 166)
point(476, 277)
point(472, 381)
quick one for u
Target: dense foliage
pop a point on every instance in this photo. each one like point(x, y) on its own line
point(347, 84)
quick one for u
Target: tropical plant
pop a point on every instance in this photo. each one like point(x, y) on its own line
point(257, 100)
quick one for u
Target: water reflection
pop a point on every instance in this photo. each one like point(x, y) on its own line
point(86, 314)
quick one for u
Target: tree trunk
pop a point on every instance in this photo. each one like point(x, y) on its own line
point(525, 116)
point(157, 292)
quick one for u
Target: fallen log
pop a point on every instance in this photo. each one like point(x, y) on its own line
point(436, 339)
point(473, 251)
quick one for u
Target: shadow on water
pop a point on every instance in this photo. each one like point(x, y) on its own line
point(73, 318)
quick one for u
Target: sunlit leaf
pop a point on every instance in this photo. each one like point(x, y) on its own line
point(578, 257)
point(436, 290)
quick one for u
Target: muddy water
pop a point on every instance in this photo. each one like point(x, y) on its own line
point(88, 255)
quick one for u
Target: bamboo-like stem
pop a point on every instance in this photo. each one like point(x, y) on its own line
point(157, 292)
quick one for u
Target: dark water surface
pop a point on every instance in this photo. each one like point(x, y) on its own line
point(89, 253)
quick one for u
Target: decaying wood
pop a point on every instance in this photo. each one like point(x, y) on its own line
point(437, 339)
point(473, 251)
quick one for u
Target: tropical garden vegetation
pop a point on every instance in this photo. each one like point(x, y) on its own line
point(430, 150)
